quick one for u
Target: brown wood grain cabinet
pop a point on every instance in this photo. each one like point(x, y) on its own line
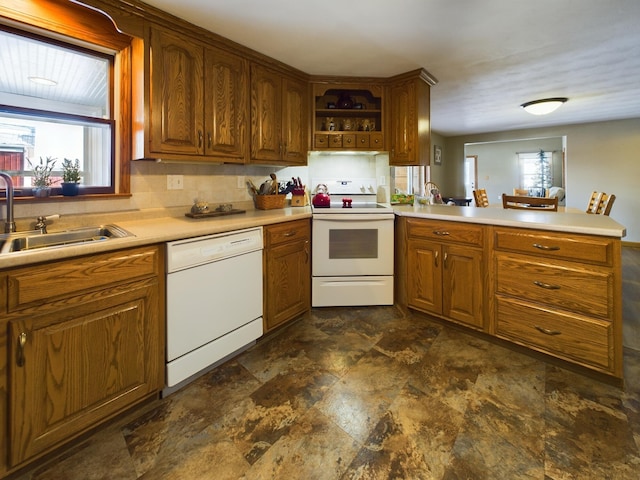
point(445, 270)
point(198, 98)
point(287, 272)
point(560, 294)
point(552, 292)
point(358, 124)
point(409, 119)
point(279, 117)
point(83, 340)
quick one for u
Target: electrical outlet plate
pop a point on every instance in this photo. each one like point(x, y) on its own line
point(175, 182)
point(240, 181)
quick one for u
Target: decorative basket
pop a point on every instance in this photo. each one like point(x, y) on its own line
point(269, 202)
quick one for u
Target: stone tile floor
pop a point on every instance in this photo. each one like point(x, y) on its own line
point(374, 393)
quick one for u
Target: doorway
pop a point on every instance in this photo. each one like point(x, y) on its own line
point(470, 175)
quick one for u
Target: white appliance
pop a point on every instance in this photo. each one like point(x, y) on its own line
point(214, 299)
point(352, 246)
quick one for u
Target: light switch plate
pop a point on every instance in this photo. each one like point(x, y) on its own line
point(175, 182)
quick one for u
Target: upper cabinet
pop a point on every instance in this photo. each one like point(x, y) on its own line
point(196, 102)
point(409, 118)
point(348, 116)
point(279, 118)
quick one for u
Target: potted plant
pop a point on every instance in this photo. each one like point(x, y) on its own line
point(42, 176)
point(70, 177)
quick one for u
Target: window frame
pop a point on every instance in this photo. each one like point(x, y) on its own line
point(67, 22)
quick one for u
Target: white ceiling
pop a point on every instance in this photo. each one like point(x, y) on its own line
point(489, 56)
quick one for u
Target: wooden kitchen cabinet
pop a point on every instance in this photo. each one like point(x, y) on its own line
point(445, 270)
point(287, 267)
point(409, 119)
point(198, 98)
point(85, 342)
point(279, 118)
point(358, 124)
point(560, 294)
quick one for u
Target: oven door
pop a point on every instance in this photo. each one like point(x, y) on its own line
point(352, 244)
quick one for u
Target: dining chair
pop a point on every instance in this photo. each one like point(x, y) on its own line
point(530, 203)
point(521, 191)
point(600, 203)
point(481, 198)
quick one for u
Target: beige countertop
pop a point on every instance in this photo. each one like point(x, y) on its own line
point(164, 226)
point(569, 221)
point(158, 228)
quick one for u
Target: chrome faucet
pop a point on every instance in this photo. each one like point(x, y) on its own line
point(9, 224)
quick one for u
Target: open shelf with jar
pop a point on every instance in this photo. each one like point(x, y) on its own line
point(348, 117)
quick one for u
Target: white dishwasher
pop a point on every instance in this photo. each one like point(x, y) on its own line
point(214, 299)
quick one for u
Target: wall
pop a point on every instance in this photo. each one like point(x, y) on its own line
point(600, 156)
point(498, 168)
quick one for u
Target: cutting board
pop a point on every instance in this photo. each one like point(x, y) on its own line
point(213, 213)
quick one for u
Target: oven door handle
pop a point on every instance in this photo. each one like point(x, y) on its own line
point(352, 217)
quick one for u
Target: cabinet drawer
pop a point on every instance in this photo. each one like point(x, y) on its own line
point(588, 292)
point(287, 232)
point(321, 141)
point(362, 140)
point(45, 283)
point(584, 340)
point(445, 231)
point(376, 140)
point(335, 141)
point(349, 140)
point(555, 245)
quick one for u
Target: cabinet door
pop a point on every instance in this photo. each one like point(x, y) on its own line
point(266, 115)
point(288, 277)
point(462, 285)
point(80, 365)
point(403, 124)
point(226, 105)
point(176, 120)
point(424, 272)
point(295, 121)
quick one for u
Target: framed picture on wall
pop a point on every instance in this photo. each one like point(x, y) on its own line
point(437, 155)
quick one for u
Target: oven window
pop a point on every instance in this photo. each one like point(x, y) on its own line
point(355, 243)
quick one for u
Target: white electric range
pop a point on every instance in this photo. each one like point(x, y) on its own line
point(352, 246)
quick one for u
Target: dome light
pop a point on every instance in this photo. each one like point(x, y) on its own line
point(544, 106)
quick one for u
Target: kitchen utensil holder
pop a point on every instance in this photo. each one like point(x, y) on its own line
point(269, 202)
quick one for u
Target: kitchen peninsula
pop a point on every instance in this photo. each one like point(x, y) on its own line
point(549, 281)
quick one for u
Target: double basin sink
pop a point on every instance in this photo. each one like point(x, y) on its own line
point(34, 239)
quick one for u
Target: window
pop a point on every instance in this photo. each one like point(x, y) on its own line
point(409, 180)
point(56, 101)
point(536, 172)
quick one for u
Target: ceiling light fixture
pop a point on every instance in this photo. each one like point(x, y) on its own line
point(43, 81)
point(544, 106)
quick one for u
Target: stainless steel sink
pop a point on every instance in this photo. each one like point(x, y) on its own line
point(18, 242)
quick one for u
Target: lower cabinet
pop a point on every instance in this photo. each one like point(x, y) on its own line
point(445, 270)
point(287, 272)
point(560, 294)
point(85, 342)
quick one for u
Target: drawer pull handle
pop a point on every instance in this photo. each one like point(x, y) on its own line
point(546, 331)
point(436, 258)
point(547, 286)
point(546, 248)
point(22, 341)
point(441, 232)
point(289, 234)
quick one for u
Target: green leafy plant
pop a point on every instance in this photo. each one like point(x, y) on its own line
point(42, 172)
point(71, 171)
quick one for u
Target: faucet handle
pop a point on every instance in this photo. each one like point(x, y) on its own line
point(41, 222)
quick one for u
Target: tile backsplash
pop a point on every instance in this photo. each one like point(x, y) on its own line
point(212, 183)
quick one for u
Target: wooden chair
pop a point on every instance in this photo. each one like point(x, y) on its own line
point(530, 203)
point(481, 198)
point(600, 203)
point(523, 192)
